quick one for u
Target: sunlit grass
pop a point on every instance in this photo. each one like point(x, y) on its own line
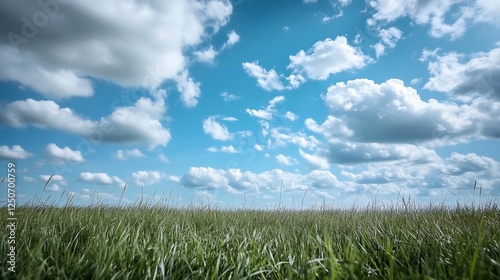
point(105, 242)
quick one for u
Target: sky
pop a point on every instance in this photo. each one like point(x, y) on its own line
point(251, 103)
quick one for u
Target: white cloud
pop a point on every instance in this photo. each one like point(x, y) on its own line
point(234, 179)
point(478, 76)
point(138, 124)
point(344, 3)
point(427, 54)
point(232, 39)
point(173, 178)
point(315, 161)
point(216, 130)
point(225, 149)
point(54, 188)
point(431, 13)
point(258, 147)
point(328, 57)
point(295, 81)
point(322, 179)
point(267, 80)
point(125, 154)
point(99, 179)
point(229, 119)
point(189, 89)
point(44, 114)
point(56, 181)
point(488, 11)
point(229, 97)
point(309, 1)
point(228, 149)
point(261, 114)
point(286, 160)
point(291, 116)
point(267, 113)
point(396, 113)
point(332, 128)
point(55, 178)
point(245, 133)
point(390, 36)
point(205, 178)
point(163, 158)
point(415, 81)
point(207, 55)
point(437, 177)
point(126, 40)
point(144, 178)
point(371, 122)
point(379, 49)
point(297, 138)
point(354, 153)
point(15, 152)
point(65, 154)
point(54, 84)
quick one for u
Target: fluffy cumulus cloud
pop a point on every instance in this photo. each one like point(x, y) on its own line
point(144, 178)
point(13, 153)
point(396, 113)
point(44, 114)
point(267, 80)
point(328, 57)
point(126, 154)
point(131, 125)
point(389, 122)
point(216, 130)
point(189, 89)
point(99, 178)
point(235, 180)
point(205, 178)
point(131, 43)
point(64, 154)
point(446, 18)
point(137, 124)
point(479, 76)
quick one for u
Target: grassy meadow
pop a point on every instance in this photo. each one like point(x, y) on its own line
point(156, 242)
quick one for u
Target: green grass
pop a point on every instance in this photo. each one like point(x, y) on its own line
point(103, 242)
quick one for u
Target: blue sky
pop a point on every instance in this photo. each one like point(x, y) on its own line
point(251, 103)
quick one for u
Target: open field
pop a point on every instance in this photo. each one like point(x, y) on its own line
point(202, 243)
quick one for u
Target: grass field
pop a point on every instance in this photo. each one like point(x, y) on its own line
point(104, 242)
